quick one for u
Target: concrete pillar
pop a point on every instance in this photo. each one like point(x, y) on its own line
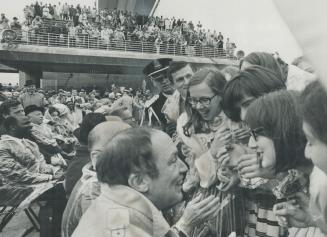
point(30, 75)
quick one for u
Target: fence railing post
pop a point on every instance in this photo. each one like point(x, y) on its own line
point(68, 41)
point(48, 39)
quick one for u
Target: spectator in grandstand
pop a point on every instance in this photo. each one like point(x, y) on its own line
point(65, 11)
point(87, 189)
point(37, 9)
point(46, 12)
point(36, 24)
point(3, 18)
point(55, 14)
point(31, 97)
point(74, 171)
point(15, 25)
point(4, 22)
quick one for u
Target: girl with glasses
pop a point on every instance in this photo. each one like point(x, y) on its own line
point(278, 141)
point(202, 129)
point(239, 93)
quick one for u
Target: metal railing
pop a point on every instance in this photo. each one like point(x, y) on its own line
point(85, 41)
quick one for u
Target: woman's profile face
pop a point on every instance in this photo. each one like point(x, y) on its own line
point(205, 101)
point(265, 149)
point(315, 149)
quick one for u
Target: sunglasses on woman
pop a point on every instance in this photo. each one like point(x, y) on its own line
point(257, 132)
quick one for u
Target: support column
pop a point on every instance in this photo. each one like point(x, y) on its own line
point(35, 76)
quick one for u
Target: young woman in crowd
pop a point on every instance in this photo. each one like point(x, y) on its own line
point(250, 84)
point(294, 77)
point(202, 129)
point(265, 60)
point(301, 212)
point(278, 160)
point(245, 87)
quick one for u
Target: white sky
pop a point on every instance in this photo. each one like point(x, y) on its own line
point(254, 25)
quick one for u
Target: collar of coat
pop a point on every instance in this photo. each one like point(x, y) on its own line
point(131, 198)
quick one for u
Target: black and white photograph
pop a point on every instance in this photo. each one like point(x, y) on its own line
point(163, 118)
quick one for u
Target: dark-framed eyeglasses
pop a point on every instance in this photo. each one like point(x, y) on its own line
point(257, 132)
point(205, 101)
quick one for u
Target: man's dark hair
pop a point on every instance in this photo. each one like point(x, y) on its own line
point(89, 122)
point(175, 66)
point(6, 106)
point(31, 108)
point(314, 109)
point(128, 152)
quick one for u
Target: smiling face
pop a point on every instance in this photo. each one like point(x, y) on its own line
point(182, 79)
point(203, 91)
point(315, 149)
point(265, 148)
point(166, 190)
point(163, 84)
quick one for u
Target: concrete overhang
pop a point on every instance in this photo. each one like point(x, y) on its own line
point(6, 69)
point(79, 60)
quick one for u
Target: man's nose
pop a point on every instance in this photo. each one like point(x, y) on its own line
point(182, 166)
point(198, 105)
point(186, 81)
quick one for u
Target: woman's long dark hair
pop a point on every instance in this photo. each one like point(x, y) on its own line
point(216, 81)
point(278, 113)
point(253, 81)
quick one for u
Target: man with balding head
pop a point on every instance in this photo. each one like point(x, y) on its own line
point(88, 188)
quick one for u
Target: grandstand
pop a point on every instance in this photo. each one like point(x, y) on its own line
point(104, 32)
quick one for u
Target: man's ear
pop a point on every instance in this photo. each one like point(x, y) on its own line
point(139, 182)
point(94, 157)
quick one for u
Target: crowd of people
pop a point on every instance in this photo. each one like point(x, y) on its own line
point(80, 25)
point(232, 152)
